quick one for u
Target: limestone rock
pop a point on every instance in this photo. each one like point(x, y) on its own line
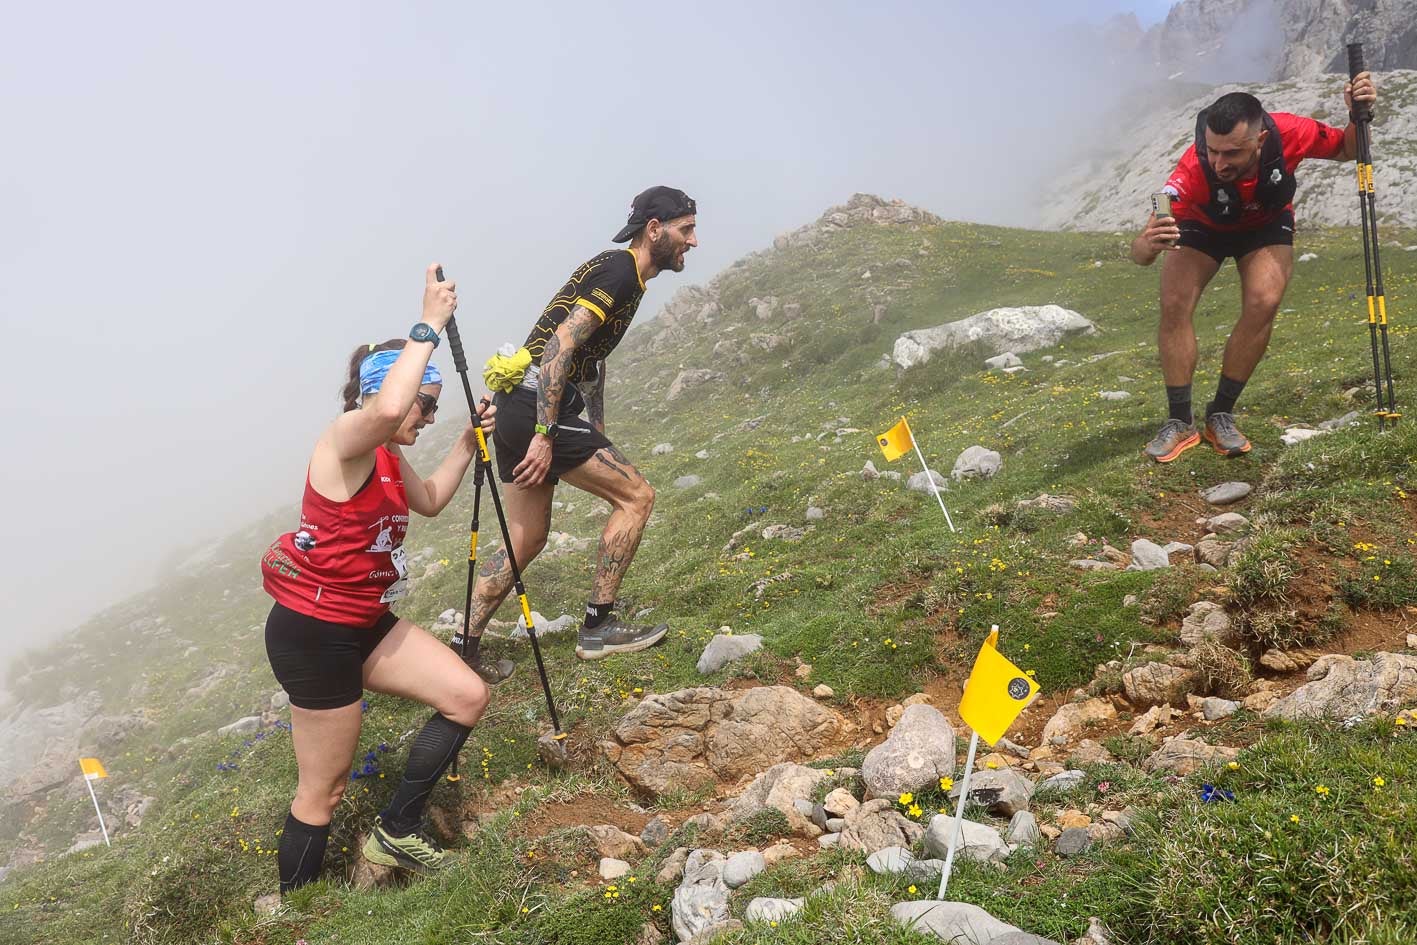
point(919, 751)
point(1226, 493)
point(1072, 720)
point(726, 648)
point(613, 842)
point(875, 825)
point(1148, 556)
point(976, 841)
point(689, 379)
point(976, 462)
point(1182, 756)
point(1341, 687)
point(767, 909)
point(701, 901)
point(1158, 684)
point(693, 738)
point(957, 923)
point(1207, 620)
point(1020, 330)
point(1003, 792)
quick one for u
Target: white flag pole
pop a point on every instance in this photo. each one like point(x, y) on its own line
point(89, 781)
point(933, 488)
point(959, 817)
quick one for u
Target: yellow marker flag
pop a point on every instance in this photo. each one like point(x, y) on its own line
point(897, 441)
point(92, 768)
point(996, 692)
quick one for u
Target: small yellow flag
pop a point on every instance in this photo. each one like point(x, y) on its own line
point(996, 692)
point(897, 441)
point(92, 768)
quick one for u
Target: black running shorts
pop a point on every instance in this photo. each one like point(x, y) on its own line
point(1220, 244)
point(576, 440)
point(319, 664)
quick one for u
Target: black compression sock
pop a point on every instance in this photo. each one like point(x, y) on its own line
point(474, 647)
point(1226, 393)
point(1178, 400)
point(433, 750)
point(301, 853)
point(597, 614)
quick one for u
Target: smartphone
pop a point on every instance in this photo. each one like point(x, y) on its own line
point(1161, 205)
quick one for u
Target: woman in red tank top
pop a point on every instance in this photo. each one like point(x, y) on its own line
point(331, 634)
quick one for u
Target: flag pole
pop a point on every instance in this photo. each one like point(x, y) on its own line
point(101, 825)
point(959, 817)
point(931, 479)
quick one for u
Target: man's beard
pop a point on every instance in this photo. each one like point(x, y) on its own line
point(664, 255)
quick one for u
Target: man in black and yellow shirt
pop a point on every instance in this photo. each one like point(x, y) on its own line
point(552, 425)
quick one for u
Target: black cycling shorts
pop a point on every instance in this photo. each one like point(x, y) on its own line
point(1220, 244)
point(576, 440)
point(320, 664)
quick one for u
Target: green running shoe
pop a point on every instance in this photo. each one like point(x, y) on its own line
point(417, 851)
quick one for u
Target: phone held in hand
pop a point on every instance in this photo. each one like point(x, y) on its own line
point(1161, 205)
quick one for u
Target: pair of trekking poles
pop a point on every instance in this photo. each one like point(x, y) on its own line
point(1386, 409)
point(482, 470)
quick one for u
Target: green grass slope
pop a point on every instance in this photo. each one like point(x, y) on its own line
point(880, 598)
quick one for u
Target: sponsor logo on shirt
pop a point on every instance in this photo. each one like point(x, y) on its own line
point(603, 296)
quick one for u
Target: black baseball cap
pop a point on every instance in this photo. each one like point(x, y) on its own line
point(657, 203)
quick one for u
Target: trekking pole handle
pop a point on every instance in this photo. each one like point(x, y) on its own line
point(1355, 66)
point(454, 340)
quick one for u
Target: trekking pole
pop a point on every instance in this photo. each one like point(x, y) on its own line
point(477, 474)
point(484, 461)
point(1386, 409)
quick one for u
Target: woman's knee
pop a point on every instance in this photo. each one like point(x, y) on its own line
point(467, 702)
point(324, 797)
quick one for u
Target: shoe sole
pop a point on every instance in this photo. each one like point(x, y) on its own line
point(1178, 449)
point(612, 649)
point(1238, 451)
point(375, 852)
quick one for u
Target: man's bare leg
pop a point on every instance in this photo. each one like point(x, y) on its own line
point(1264, 275)
point(610, 476)
point(1184, 276)
point(528, 510)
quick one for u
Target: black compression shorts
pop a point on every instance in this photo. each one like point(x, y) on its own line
point(320, 664)
point(576, 440)
point(1220, 244)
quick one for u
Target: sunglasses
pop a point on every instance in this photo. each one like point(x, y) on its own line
point(427, 404)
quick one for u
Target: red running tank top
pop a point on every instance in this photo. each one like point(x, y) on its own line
point(346, 562)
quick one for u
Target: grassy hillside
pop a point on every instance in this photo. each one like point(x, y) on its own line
point(879, 599)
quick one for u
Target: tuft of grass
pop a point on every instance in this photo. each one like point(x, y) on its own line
point(1223, 671)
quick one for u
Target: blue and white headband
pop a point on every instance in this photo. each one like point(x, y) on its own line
point(374, 368)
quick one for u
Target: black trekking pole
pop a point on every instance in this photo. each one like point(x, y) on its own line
point(1386, 409)
point(552, 748)
point(461, 642)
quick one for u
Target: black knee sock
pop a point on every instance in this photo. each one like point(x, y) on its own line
point(1226, 393)
point(1178, 399)
point(301, 853)
point(433, 750)
point(597, 614)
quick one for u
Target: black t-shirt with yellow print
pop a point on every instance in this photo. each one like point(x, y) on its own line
point(609, 286)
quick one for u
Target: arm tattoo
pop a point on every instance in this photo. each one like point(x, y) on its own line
point(556, 362)
point(595, 398)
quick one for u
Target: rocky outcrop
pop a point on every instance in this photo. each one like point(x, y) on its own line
point(693, 738)
point(1112, 191)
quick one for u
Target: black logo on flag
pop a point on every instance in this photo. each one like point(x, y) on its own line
point(1018, 688)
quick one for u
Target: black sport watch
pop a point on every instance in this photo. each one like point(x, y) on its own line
point(548, 431)
point(424, 332)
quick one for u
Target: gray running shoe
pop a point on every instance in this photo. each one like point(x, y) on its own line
point(1221, 433)
point(614, 636)
point(1174, 439)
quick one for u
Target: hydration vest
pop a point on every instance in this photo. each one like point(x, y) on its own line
point(1274, 190)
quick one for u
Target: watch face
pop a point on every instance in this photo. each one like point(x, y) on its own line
point(421, 332)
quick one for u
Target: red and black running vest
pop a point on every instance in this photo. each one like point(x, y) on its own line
point(1274, 189)
point(346, 562)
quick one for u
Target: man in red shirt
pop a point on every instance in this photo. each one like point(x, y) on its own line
point(1231, 196)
